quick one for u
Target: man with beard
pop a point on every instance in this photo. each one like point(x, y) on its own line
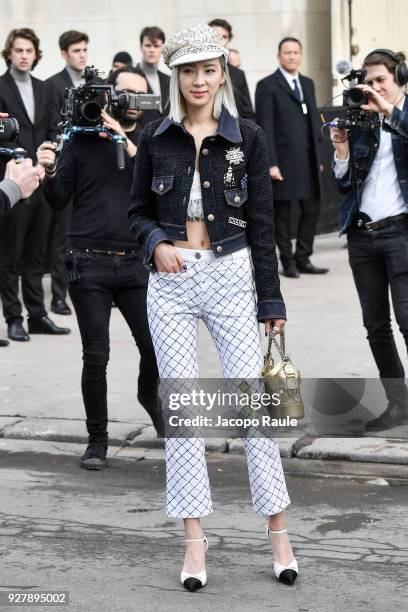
point(104, 260)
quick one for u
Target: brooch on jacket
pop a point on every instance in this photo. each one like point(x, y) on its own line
point(234, 156)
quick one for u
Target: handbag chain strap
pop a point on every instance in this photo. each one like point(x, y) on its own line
point(281, 346)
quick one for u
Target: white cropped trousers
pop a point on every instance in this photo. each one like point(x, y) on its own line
point(221, 292)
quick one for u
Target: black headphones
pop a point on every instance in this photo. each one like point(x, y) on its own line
point(401, 69)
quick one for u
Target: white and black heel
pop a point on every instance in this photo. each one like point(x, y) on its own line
point(193, 582)
point(284, 573)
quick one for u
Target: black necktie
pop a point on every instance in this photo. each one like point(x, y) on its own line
point(296, 90)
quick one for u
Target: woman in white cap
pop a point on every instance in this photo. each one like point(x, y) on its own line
point(201, 198)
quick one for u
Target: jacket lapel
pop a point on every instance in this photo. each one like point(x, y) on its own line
point(39, 102)
point(283, 83)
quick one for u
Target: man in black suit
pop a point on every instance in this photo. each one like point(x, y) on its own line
point(74, 50)
point(286, 109)
point(238, 78)
point(24, 230)
point(151, 41)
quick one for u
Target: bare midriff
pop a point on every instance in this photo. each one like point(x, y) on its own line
point(197, 236)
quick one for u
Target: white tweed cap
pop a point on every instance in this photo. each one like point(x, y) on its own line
point(194, 44)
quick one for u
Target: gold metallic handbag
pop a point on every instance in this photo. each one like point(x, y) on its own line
point(283, 379)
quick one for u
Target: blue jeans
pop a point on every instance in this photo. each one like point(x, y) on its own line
point(379, 261)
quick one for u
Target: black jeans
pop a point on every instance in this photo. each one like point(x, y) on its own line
point(306, 231)
point(379, 261)
point(103, 279)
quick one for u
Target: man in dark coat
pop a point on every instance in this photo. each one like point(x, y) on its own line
point(238, 78)
point(286, 110)
point(25, 229)
point(74, 50)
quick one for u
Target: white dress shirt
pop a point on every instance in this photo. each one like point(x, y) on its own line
point(381, 194)
point(290, 78)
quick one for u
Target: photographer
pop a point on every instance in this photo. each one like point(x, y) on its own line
point(104, 259)
point(371, 168)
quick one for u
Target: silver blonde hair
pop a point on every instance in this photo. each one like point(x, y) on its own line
point(223, 97)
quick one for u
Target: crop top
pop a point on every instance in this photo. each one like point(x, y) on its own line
point(195, 204)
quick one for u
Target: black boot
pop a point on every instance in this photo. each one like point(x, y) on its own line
point(396, 414)
point(94, 457)
point(16, 331)
point(59, 306)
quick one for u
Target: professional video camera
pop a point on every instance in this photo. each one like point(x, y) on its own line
point(353, 99)
point(84, 104)
point(9, 130)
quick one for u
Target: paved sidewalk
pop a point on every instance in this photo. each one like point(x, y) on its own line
point(40, 395)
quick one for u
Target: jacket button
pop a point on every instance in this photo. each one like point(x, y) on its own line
point(161, 187)
point(206, 184)
point(237, 199)
point(211, 217)
point(219, 249)
point(189, 170)
point(205, 151)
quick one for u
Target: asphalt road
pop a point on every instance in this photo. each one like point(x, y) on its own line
point(104, 537)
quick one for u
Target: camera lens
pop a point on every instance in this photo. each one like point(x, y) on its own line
point(356, 97)
point(9, 129)
point(91, 111)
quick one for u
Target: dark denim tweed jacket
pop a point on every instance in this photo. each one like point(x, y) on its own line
point(236, 194)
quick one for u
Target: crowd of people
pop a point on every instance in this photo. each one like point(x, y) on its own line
point(186, 230)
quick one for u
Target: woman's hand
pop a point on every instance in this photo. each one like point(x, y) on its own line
point(376, 102)
point(167, 258)
point(277, 326)
point(275, 173)
point(339, 140)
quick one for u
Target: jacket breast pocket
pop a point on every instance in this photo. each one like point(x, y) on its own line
point(236, 197)
point(162, 184)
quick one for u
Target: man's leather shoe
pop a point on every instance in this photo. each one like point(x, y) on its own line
point(4, 342)
point(94, 457)
point(46, 326)
point(60, 307)
point(290, 271)
point(394, 415)
point(306, 267)
point(16, 331)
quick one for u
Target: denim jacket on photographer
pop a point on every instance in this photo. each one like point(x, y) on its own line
point(236, 196)
point(365, 147)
